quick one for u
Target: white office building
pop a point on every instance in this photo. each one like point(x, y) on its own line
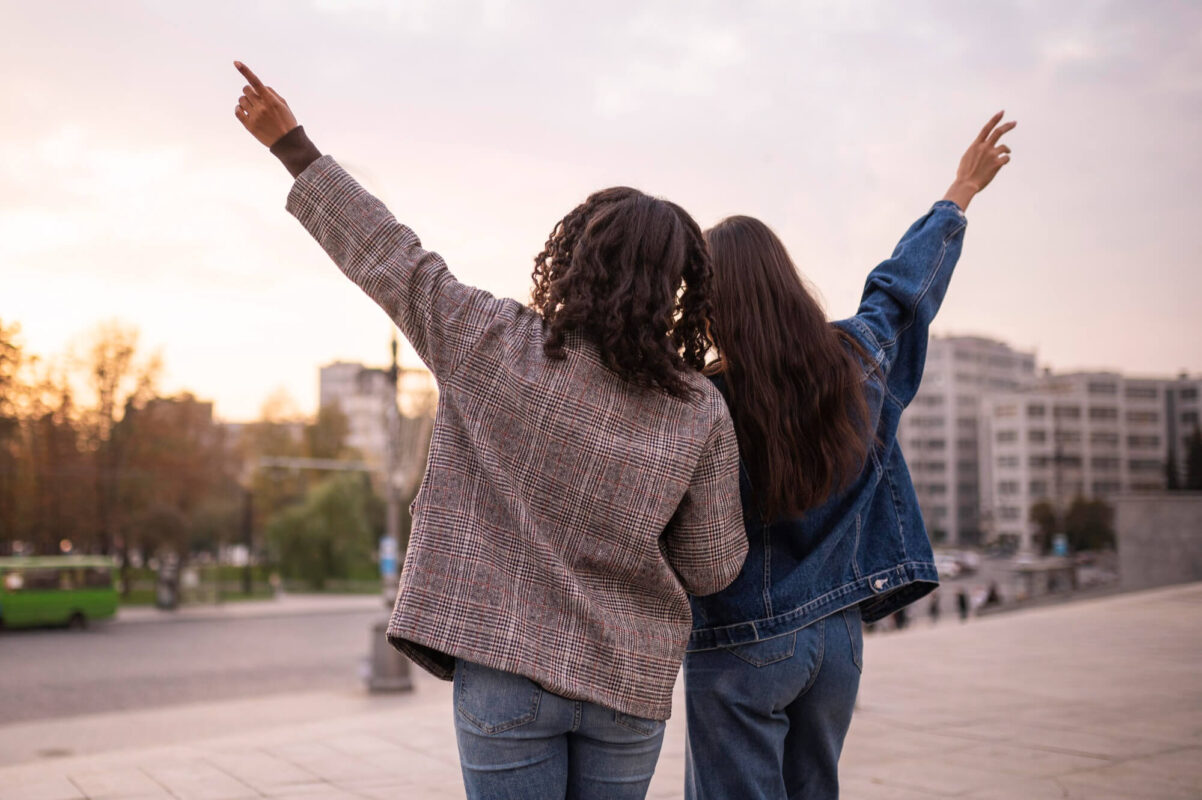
point(1088, 434)
point(940, 430)
point(367, 397)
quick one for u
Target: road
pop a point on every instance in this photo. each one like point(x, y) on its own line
point(124, 666)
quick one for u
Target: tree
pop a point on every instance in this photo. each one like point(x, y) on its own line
point(1172, 477)
point(1089, 525)
point(329, 535)
point(119, 381)
point(1193, 461)
point(1043, 514)
point(11, 358)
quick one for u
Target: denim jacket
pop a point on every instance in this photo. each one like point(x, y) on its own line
point(866, 545)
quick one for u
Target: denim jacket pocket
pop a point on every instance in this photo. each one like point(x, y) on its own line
point(766, 651)
point(494, 701)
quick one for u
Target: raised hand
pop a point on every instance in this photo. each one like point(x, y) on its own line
point(261, 110)
point(981, 162)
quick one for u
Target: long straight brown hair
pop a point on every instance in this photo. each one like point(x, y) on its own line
point(794, 381)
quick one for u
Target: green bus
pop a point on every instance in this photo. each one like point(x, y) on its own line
point(56, 590)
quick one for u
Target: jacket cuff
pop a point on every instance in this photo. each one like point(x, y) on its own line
point(295, 150)
point(949, 205)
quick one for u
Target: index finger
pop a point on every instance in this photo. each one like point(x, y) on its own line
point(250, 76)
point(984, 131)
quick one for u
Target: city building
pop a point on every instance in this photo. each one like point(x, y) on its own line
point(940, 430)
point(367, 397)
point(1087, 434)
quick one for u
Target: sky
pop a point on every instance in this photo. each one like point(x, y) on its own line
point(129, 191)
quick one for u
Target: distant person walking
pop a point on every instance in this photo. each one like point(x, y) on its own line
point(582, 477)
point(833, 524)
point(962, 603)
point(933, 610)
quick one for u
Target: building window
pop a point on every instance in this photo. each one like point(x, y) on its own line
point(1007, 436)
point(936, 444)
point(1189, 394)
point(1007, 462)
point(1143, 416)
point(1037, 436)
point(1144, 465)
point(1010, 512)
point(1104, 487)
point(1103, 388)
point(1143, 442)
point(1007, 410)
point(1104, 463)
point(1103, 413)
point(966, 424)
point(1008, 487)
point(1039, 489)
point(1036, 411)
point(1142, 392)
point(1067, 412)
point(1068, 437)
point(1104, 439)
point(1189, 418)
point(1035, 461)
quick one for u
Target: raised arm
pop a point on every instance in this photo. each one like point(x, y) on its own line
point(442, 318)
point(903, 294)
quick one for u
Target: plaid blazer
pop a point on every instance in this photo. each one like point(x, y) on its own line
point(564, 513)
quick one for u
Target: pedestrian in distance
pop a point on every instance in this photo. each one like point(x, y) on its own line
point(582, 475)
point(933, 611)
point(832, 519)
point(962, 603)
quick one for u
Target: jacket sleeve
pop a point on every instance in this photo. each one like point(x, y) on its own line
point(903, 294)
point(705, 542)
point(442, 318)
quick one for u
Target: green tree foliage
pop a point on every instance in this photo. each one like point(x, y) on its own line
point(1172, 477)
point(1043, 514)
point(330, 535)
point(1089, 525)
point(1193, 462)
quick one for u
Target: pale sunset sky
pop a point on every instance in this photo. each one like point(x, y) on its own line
point(128, 190)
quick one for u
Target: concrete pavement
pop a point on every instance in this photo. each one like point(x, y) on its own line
point(1100, 699)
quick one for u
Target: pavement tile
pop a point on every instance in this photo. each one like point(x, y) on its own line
point(859, 788)
point(1033, 762)
point(261, 770)
point(933, 775)
point(121, 783)
point(56, 788)
point(197, 780)
point(1016, 788)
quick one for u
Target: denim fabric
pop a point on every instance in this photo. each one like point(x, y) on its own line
point(866, 546)
point(766, 720)
point(518, 741)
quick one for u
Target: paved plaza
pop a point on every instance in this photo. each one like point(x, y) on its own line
point(1097, 700)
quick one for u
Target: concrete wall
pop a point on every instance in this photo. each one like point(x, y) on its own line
point(1159, 538)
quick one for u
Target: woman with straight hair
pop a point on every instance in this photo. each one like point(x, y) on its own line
point(582, 475)
point(832, 520)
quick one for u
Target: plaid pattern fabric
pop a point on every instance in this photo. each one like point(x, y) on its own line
point(564, 514)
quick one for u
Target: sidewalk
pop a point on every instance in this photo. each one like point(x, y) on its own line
point(283, 605)
point(1098, 700)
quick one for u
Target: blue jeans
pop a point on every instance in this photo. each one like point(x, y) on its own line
point(766, 720)
point(519, 741)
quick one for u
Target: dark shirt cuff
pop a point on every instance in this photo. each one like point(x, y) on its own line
point(295, 150)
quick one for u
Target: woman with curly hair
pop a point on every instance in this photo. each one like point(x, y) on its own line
point(833, 524)
point(582, 476)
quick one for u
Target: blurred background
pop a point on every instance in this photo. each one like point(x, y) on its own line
point(199, 414)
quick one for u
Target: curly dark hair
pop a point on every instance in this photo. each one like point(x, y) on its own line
point(630, 273)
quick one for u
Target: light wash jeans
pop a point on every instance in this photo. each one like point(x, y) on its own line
point(518, 741)
point(766, 720)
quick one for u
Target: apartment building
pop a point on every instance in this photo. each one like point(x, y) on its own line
point(1183, 410)
point(367, 396)
point(940, 430)
point(1088, 434)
